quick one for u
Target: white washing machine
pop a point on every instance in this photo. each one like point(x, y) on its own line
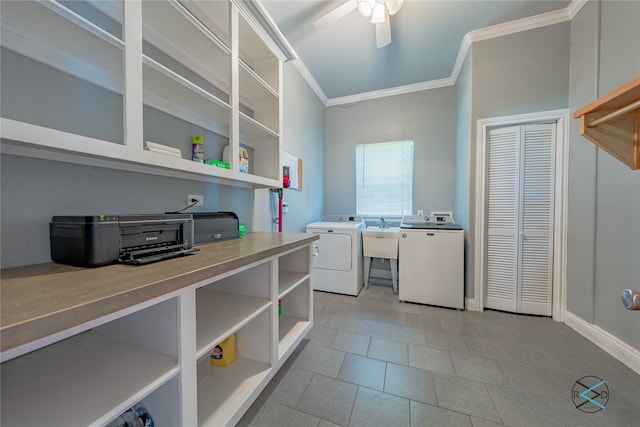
point(431, 261)
point(336, 264)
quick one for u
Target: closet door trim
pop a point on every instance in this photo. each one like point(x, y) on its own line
point(477, 234)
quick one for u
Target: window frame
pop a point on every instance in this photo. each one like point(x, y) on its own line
point(407, 147)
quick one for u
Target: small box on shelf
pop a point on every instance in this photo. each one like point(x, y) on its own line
point(218, 163)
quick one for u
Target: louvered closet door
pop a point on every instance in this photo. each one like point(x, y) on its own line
point(536, 231)
point(502, 219)
point(520, 219)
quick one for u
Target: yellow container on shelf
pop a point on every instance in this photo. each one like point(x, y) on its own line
point(224, 353)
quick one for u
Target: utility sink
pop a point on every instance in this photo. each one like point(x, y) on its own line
point(381, 243)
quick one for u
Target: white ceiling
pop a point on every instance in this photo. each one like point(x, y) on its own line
point(427, 36)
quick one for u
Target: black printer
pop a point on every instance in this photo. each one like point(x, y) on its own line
point(92, 241)
point(214, 226)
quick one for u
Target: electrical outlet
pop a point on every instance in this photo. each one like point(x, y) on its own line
point(285, 207)
point(192, 197)
point(420, 212)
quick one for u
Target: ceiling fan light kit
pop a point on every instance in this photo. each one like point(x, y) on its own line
point(376, 9)
point(378, 15)
point(394, 6)
point(365, 7)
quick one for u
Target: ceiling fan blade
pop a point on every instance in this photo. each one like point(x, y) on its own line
point(336, 14)
point(394, 6)
point(383, 33)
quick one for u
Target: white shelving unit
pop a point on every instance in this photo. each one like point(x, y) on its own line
point(225, 391)
point(157, 353)
point(120, 363)
point(295, 298)
point(200, 64)
point(220, 314)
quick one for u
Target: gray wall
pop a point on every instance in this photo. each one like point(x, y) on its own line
point(304, 137)
point(427, 118)
point(463, 180)
point(33, 190)
point(520, 73)
point(604, 194)
point(581, 224)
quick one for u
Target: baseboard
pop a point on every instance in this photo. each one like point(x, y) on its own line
point(471, 304)
point(622, 351)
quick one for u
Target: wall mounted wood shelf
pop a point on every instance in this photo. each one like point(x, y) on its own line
point(612, 122)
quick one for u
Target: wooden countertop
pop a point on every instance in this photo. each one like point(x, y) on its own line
point(43, 299)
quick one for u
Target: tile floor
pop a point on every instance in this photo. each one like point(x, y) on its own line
point(372, 361)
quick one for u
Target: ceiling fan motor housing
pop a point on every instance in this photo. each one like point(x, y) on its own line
point(367, 7)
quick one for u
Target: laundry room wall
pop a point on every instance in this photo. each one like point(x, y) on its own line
point(303, 137)
point(426, 117)
point(520, 73)
point(463, 157)
point(33, 190)
point(604, 194)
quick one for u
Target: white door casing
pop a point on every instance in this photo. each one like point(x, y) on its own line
point(558, 210)
point(519, 256)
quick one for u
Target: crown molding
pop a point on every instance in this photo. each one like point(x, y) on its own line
point(575, 6)
point(519, 25)
point(398, 90)
point(462, 55)
point(499, 30)
point(306, 74)
point(260, 20)
point(512, 27)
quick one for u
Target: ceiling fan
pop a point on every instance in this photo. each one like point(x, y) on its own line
point(378, 10)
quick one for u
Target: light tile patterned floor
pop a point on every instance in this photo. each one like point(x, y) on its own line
point(373, 361)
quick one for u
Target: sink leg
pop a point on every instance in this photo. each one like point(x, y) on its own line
point(394, 274)
point(367, 267)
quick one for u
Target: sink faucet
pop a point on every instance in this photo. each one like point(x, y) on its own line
point(382, 224)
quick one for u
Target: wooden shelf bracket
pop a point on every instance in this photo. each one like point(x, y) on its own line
point(612, 122)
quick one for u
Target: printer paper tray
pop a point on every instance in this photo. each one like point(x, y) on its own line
point(146, 256)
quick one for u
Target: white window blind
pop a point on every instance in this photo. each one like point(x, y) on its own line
point(384, 178)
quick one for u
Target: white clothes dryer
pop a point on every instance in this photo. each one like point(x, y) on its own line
point(336, 264)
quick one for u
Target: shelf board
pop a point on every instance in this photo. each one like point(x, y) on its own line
point(82, 49)
point(214, 15)
point(49, 386)
point(612, 122)
point(219, 314)
point(258, 79)
point(168, 92)
point(254, 133)
point(252, 49)
point(254, 93)
point(224, 391)
point(289, 280)
point(173, 29)
point(24, 139)
point(291, 330)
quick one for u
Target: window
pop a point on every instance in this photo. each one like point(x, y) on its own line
point(384, 179)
